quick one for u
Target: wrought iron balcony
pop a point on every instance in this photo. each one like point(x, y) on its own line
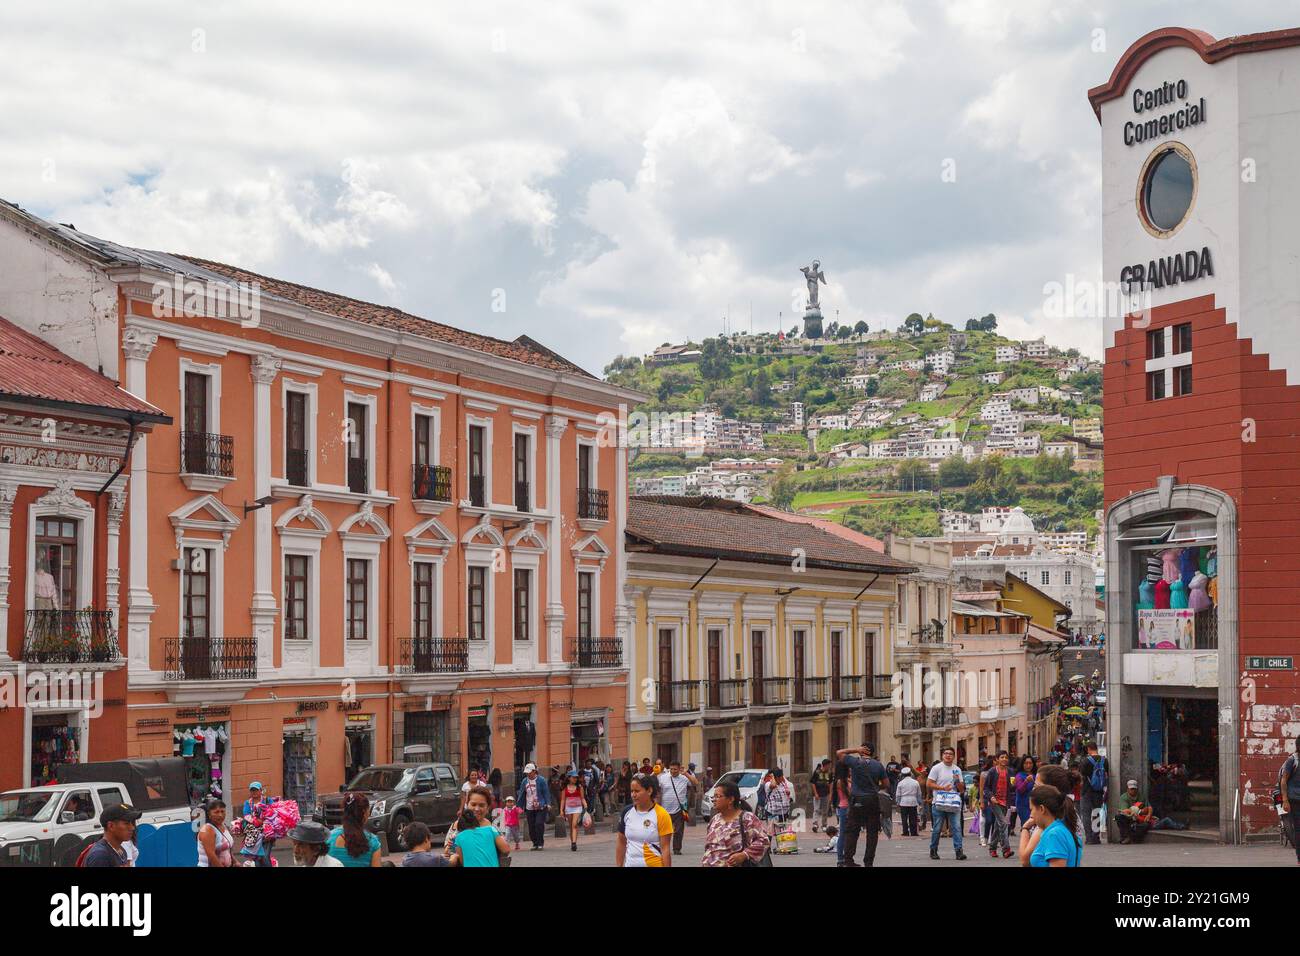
point(677, 696)
point(431, 482)
point(849, 687)
point(916, 718)
point(880, 686)
point(951, 716)
point(931, 633)
point(203, 453)
point(728, 694)
point(477, 491)
point(812, 691)
point(358, 476)
point(772, 692)
point(599, 652)
point(522, 496)
point(70, 637)
point(433, 655)
point(210, 658)
point(296, 472)
point(593, 504)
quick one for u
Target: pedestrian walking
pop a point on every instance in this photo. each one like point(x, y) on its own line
point(311, 845)
point(841, 791)
point(779, 798)
point(215, 841)
point(573, 804)
point(625, 783)
point(1288, 779)
point(674, 789)
point(820, 783)
point(1052, 840)
point(477, 843)
point(419, 838)
point(510, 820)
point(494, 781)
point(736, 837)
point(1024, 784)
point(946, 783)
point(472, 780)
point(1066, 781)
point(1093, 790)
point(645, 829)
point(999, 789)
point(908, 797)
point(921, 773)
point(118, 821)
point(255, 798)
point(352, 844)
point(534, 797)
point(867, 778)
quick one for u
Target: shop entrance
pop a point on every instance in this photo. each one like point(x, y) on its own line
point(715, 750)
point(1183, 754)
point(760, 750)
point(56, 740)
point(480, 741)
point(525, 738)
point(587, 739)
point(359, 746)
point(299, 754)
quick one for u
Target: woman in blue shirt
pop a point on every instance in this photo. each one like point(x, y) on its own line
point(1052, 841)
point(352, 844)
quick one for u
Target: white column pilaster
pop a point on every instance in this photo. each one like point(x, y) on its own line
point(263, 370)
point(7, 491)
point(138, 344)
point(113, 556)
point(555, 427)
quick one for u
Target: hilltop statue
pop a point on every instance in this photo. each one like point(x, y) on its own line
point(813, 274)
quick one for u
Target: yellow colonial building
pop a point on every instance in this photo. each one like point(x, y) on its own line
point(758, 640)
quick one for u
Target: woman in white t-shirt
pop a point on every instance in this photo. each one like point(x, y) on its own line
point(215, 840)
point(471, 781)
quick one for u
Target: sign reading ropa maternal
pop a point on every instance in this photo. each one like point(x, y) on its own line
point(1167, 94)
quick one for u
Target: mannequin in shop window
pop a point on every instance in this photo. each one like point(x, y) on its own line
point(47, 589)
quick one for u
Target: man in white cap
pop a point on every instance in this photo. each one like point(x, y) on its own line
point(535, 797)
point(908, 798)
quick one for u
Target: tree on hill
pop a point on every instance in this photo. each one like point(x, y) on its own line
point(956, 472)
point(988, 323)
point(783, 488)
point(793, 333)
point(715, 360)
point(674, 381)
point(843, 332)
point(914, 324)
point(621, 364)
point(760, 393)
point(860, 328)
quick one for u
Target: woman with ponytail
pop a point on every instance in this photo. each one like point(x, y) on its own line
point(352, 844)
point(1066, 781)
point(1053, 842)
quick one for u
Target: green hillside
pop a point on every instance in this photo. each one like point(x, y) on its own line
point(740, 375)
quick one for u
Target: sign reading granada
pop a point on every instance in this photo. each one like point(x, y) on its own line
point(1170, 270)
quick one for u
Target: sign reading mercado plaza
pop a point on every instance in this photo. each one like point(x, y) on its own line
point(1181, 267)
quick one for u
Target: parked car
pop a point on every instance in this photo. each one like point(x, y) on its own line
point(51, 825)
point(399, 794)
point(747, 780)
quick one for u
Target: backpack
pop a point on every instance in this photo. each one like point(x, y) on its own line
point(1097, 780)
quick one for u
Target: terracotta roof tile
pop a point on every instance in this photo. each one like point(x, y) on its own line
point(32, 369)
point(522, 349)
point(715, 528)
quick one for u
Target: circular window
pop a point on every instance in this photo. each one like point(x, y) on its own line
point(1167, 189)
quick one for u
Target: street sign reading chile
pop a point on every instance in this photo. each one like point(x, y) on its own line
point(1270, 663)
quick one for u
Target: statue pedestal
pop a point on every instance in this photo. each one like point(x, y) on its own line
point(812, 323)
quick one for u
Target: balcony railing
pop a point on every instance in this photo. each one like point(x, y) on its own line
point(477, 491)
point(812, 691)
point(69, 637)
point(433, 655)
point(931, 633)
point(431, 483)
point(593, 504)
point(881, 686)
point(951, 716)
point(600, 652)
point(915, 718)
point(295, 467)
point(210, 658)
point(677, 696)
point(728, 694)
point(521, 496)
point(849, 687)
point(203, 453)
point(358, 476)
point(772, 692)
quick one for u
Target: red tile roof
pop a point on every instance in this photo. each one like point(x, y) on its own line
point(35, 371)
point(832, 527)
point(730, 530)
point(522, 349)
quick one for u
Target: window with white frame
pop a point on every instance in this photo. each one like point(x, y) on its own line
point(358, 599)
point(1045, 578)
point(476, 601)
point(523, 598)
point(297, 595)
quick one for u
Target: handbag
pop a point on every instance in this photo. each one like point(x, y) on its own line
point(767, 854)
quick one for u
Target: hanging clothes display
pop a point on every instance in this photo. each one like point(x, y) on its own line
point(54, 743)
point(203, 746)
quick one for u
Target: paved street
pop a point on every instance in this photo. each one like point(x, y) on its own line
point(598, 850)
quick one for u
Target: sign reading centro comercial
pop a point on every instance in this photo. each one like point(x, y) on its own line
point(1144, 101)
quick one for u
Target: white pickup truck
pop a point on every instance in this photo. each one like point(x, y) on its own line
point(51, 825)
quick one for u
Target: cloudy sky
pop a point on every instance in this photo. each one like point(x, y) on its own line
point(616, 175)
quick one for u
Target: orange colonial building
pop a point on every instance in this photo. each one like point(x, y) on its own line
point(367, 531)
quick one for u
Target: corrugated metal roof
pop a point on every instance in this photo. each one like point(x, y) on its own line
point(33, 369)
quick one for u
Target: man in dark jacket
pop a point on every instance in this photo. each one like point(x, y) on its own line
point(866, 779)
point(1091, 797)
